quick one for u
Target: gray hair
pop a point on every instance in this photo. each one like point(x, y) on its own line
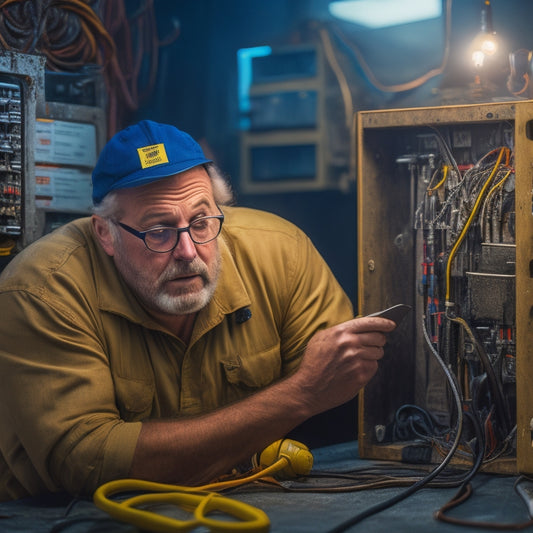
point(222, 191)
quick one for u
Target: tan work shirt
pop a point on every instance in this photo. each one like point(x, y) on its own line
point(82, 363)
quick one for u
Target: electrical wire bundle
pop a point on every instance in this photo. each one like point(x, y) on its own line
point(68, 32)
point(463, 208)
point(74, 34)
point(134, 68)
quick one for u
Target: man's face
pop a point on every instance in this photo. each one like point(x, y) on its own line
point(183, 280)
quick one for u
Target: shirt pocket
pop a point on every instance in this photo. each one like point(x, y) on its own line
point(134, 397)
point(254, 371)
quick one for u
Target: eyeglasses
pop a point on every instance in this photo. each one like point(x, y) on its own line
point(162, 240)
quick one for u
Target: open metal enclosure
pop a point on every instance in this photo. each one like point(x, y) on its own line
point(445, 225)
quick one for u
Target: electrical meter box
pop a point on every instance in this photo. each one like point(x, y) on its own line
point(445, 225)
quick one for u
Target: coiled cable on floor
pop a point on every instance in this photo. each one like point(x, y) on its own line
point(285, 456)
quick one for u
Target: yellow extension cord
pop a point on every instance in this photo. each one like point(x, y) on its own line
point(200, 501)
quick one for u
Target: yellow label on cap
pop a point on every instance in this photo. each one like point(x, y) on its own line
point(151, 156)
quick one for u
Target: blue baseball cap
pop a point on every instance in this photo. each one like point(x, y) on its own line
point(141, 154)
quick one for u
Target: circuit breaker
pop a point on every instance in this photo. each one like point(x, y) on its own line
point(11, 157)
point(445, 225)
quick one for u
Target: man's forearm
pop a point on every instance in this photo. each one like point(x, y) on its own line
point(337, 362)
point(195, 450)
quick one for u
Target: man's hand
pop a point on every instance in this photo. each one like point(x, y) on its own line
point(340, 360)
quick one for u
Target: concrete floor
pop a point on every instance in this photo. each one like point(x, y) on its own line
point(493, 501)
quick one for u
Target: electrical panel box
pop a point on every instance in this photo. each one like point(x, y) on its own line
point(445, 225)
point(296, 139)
point(21, 76)
point(52, 127)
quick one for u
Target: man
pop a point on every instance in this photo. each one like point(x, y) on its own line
point(169, 336)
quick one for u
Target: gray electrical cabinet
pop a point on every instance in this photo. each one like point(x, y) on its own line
point(52, 127)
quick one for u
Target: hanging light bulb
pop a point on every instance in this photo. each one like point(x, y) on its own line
point(485, 43)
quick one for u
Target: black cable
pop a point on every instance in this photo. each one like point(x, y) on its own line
point(436, 471)
point(419, 423)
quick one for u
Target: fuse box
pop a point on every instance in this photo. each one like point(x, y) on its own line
point(21, 75)
point(48, 147)
point(11, 156)
point(445, 225)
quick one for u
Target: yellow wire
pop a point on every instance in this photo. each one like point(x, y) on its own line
point(282, 462)
point(468, 222)
point(6, 247)
point(445, 169)
point(195, 499)
point(501, 182)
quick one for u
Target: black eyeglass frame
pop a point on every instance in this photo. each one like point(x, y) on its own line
point(142, 234)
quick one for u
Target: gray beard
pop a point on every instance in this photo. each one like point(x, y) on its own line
point(185, 303)
point(152, 294)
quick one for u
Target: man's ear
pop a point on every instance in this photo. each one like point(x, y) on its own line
point(103, 234)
